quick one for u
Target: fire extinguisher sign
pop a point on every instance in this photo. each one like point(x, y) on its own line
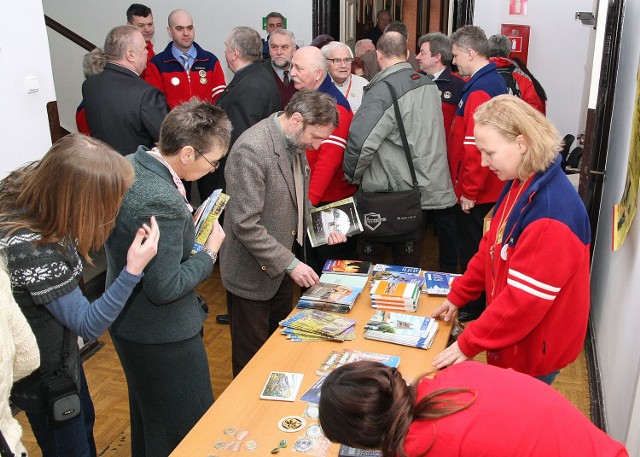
point(518, 7)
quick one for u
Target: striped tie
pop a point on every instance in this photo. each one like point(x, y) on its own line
point(185, 57)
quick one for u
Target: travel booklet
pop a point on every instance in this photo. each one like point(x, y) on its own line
point(318, 325)
point(399, 328)
point(340, 216)
point(418, 279)
point(338, 358)
point(347, 267)
point(206, 214)
point(439, 283)
point(395, 295)
point(329, 297)
point(396, 268)
point(282, 386)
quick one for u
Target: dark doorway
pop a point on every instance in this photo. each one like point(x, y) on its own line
point(326, 18)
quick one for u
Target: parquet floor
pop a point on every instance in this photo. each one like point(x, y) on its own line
point(109, 392)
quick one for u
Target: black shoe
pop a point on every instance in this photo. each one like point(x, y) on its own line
point(464, 316)
point(222, 319)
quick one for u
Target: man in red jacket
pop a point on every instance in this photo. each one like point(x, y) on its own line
point(476, 187)
point(140, 16)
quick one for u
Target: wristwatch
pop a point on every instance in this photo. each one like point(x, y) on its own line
point(211, 253)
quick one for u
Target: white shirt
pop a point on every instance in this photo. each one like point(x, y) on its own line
point(353, 90)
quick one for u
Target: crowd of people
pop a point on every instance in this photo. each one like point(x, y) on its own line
point(296, 128)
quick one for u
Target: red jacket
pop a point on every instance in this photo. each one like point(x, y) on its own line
point(205, 80)
point(536, 279)
point(327, 183)
point(150, 54)
point(512, 415)
point(470, 179)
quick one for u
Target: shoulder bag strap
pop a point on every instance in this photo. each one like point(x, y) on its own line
point(66, 351)
point(403, 134)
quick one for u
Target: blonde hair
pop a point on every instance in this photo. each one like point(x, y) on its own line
point(512, 117)
point(72, 194)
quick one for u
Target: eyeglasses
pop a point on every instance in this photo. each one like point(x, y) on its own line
point(214, 165)
point(338, 61)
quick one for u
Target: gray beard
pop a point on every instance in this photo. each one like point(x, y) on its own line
point(283, 66)
point(293, 142)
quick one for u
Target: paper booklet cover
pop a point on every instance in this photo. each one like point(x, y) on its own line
point(207, 213)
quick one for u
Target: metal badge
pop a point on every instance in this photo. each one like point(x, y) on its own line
point(250, 445)
point(204, 80)
point(175, 81)
point(291, 424)
point(447, 94)
point(202, 73)
point(314, 431)
point(303, 444)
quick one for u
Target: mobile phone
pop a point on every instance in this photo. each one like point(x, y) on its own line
point(347, 451)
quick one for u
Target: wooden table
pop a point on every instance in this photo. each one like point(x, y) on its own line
point(240, 406)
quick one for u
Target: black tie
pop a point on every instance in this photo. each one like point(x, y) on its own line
point(285, 78)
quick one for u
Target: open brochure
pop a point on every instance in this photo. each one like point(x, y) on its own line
point(206, 214)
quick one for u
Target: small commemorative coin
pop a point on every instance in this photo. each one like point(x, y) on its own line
point(203, 81)
point(311, 411)
point(229, 431)
point(220, 445)
point(202, 73)
point(283, 443)
point(291, 424)
point(314, 431)
point(250, 445)
point(303, 444)
point(275, 450)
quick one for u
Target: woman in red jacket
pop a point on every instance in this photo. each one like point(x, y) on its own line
point(468, 410)
point(533, 262)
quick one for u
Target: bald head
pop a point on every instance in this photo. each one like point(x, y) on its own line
point(181, 29)
point(392, 48)
point(308, 68)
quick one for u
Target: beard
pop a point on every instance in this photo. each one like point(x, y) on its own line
point(285, 64)
point(294, 143)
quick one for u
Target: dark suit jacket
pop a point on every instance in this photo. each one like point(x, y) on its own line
point(251, 96)
point(262, 214)
point(122, 109)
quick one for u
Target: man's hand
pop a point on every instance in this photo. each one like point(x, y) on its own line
point(466, 204)
point(336, 237)
point(304, 276)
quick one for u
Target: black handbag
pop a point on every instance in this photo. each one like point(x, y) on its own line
point(389, 217)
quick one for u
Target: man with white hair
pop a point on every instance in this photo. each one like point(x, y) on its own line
point(362, 46)
point(339, 58)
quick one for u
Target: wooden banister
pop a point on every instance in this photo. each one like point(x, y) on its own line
point(69, 34)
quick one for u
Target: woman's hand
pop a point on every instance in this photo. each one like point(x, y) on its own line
point(446, 307)
point(449, 356)
point(216, 237)
point(144, 247)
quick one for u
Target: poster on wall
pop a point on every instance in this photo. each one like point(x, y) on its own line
point(624, 211)
point(518, 7)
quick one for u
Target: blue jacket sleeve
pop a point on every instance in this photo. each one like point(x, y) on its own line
point(90, 320)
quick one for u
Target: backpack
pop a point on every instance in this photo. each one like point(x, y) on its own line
point(507, 74)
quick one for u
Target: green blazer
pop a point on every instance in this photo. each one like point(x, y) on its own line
point(163, 307)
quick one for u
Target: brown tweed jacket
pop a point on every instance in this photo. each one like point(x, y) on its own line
point(261, 216)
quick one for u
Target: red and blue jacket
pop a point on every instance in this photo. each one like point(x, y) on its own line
point(327, 183)
point(205, 80)
point(470, 179)
point(450, 86)
point(536, 279)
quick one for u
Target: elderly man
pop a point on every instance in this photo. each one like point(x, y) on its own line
point(375, 156)
point(140, 16)
point(339, 57)
point(282, 45)
point(121, 109)
point(382, 20)
point(362, 46)
point(477, 187)
point(326, 184)
point(265, 219)
point(184, 70)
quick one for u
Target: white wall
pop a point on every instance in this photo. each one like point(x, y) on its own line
point(24, 125)
point(558, 52)
point(212, 20)
point(616, 275)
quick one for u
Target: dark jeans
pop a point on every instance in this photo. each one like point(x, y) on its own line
point(71, 438)
point(253, 322)
point(444, 221)
point(169, 388)
point(549, 378)
point(406, 253)
point(469, 233)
